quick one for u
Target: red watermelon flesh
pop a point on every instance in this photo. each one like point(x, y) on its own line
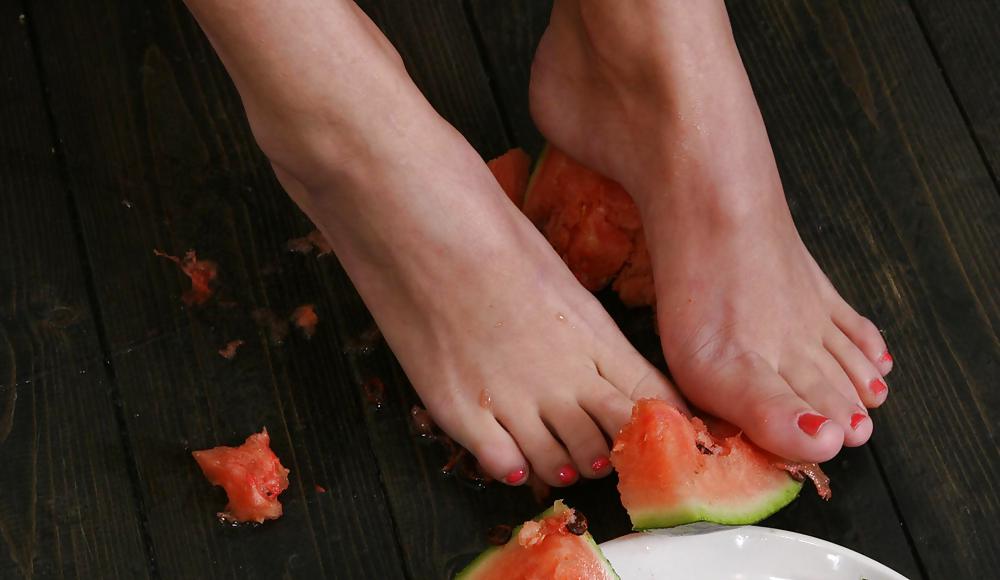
point(673, 470)
point(511, 171)
point(252, 476)
point(553, 546)
point(592, 223)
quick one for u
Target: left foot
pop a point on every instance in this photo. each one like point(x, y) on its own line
point(751, 328)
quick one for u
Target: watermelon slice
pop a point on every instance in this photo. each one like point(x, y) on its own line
point(252, 476)
point(555, 546)
point(673, 470)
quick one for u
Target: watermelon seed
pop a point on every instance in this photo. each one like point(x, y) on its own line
point(499, 535)
point(578, 526)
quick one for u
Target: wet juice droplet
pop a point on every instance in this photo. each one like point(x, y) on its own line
point(485, 399)
point(560, 316)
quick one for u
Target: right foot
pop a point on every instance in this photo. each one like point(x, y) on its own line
point(654, 95)
point(511, 356)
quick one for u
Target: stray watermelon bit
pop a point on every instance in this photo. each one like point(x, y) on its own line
point(314, 240)
point(320, 488)
point(512, 170)
point(555, 545)
point(365, 342)
point(374, 392)
point(228, 352)
point(460, 462)
point(275, 326)
point(305, 318)
point(320, 242)
point(252, 476)
point(800, 471)
point(201, 272)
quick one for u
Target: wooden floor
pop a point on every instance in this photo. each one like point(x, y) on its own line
point(120, 133)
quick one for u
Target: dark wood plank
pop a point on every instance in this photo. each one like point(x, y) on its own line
point(889, 193)
point(68, 505)
point(965, 37)
point(160, 156)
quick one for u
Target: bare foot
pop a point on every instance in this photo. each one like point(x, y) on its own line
point(512, 357)
point(654, 94)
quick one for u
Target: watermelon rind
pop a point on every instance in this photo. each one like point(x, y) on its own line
point(747, 512)
point(481, 564)
point(536, 170)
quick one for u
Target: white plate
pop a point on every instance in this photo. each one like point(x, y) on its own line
point(709, 551)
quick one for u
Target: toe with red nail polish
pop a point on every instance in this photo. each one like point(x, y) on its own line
point(567, 474)
point(600, 464)
point(811, 423)
point(516, 476)
point(878, 387)
point(856, 419)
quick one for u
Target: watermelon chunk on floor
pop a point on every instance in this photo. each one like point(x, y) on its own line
point(555, 546)
point(673, 470)
point(252, 476)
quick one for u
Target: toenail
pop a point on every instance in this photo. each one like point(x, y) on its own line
point(886, 357)
point(856, 419)
point(599, 464)
point(811, 423)
point(878, 386)
point(567, 474)
point(516, 476)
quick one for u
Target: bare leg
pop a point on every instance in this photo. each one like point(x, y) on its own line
point(468, 294)
point(653, 93)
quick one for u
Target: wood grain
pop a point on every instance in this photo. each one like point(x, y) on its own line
point(965, 38)
point(160, 157)
point(68, 505)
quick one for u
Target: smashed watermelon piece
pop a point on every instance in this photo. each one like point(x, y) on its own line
point(674, 469)
point(252, 476)
point(555, 546)
point(201, 272)
point(593, 224)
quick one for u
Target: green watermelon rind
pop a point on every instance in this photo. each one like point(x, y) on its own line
point(483, 559)
point(746, 513)
point(536, 170)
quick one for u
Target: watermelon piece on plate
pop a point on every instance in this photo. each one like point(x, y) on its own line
point(555, 546)
point(252, 476)
point(673, 470)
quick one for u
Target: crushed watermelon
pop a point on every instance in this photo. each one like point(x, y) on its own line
point(201, 272)
point(511, 171)
point(252, 476)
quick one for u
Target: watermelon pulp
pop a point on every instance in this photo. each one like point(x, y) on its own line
point(672, 470)
point(252, 476)
point(544, 547)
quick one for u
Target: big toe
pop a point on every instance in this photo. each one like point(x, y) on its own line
point(749, 393)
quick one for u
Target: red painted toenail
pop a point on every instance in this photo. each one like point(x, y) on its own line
point(886, 357)
point(515, 476)
point(567, 474)
point(878, 386)
point(856, 419)
point(811, 423)
point(599, 464)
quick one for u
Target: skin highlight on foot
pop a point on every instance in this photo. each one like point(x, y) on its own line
point(466, 291)
point(656, 97)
